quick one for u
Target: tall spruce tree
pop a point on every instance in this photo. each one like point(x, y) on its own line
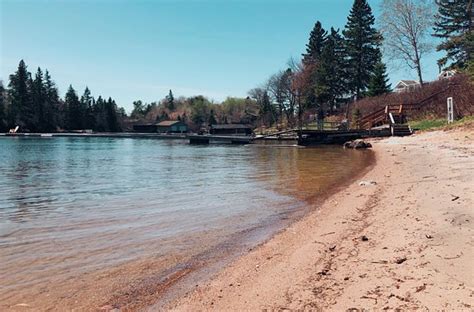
point(454, 25)
point(212, 118)
point(379, 81)
point(330, 72)
point(73, 108)
point(362, 46)
point(98, 108)
point(52, 118)
point(39, 99)
point(86, 105)
point(314, 47)
point(20, 112)
point(311, 59)
point(111, 114)
point(170, 101)
point(3, 126)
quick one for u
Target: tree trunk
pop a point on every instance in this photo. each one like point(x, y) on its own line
point(418, 64)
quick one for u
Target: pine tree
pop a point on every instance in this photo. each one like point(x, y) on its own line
point(38, 99)
point(86, 105)
point(51, 112)
point(311, 59)
point(170, 101)
point(98, 108)
point(330, 73)
point(362, 46)
point(20, 111)
point(379, 81)
point(111, 113)
point(3, 126)
point(212, 118)
point(267, 110)
point(315, 45)
point(453, 25)
point(73, 108)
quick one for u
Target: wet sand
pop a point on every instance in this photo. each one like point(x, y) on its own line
point(404, 242)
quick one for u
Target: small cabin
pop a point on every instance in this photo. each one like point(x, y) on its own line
point(406, 86)
point(167, 126)
point(231, 129)
point(145, 128)
point(171, 126)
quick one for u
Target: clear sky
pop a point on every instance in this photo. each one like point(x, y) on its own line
point(137, 49)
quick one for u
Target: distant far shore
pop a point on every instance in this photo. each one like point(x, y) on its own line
point(98, 135)
point(399, 238)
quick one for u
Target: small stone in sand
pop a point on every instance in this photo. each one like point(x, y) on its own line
point(366, 183)
point(400, 260)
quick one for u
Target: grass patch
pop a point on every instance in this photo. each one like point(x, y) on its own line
point(427, 124)
point(440, 124)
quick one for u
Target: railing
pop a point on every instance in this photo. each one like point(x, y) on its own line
point(325, 125)
point(382, 115)
point(371, 119)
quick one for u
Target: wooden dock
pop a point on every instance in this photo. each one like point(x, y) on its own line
point(218, 139)
point(319, 137)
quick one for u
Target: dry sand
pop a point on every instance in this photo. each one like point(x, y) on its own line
point(405, 242)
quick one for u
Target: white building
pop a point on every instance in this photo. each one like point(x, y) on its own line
point(446, 74)
point(406, 85)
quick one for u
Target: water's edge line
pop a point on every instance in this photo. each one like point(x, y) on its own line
point(166, 299)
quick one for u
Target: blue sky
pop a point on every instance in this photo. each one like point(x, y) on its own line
point(137, 49)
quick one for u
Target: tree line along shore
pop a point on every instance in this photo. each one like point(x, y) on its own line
point(340, 75)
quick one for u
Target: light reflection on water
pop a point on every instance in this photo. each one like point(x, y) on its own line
point(71, 205)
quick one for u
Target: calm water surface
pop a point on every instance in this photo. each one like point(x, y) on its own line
point(75, 205)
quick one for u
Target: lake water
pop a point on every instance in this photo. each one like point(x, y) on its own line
point(73, 208)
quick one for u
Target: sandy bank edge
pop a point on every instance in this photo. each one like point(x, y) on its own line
point(417, 254)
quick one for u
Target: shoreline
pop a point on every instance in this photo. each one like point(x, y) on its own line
point(137, 284)
point(182, 282)
point(404, 242)
point(185, 277)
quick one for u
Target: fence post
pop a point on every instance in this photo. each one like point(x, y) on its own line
point(450, 109)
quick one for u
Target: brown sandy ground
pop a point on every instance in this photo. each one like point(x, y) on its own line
point(404, 243)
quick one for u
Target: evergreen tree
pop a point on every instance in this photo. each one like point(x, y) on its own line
point(212, 118)
point(111, 113)
point(20, 112)
point(138, 109)
point(362, 46)
point(38, 99)
point(314, 47)
point(73, 108)
point(453, 25)
point(267, 110)
point(170, 101)
point(98, 108)
point(330, 73)
point(52, 118)
point(3, 105)
point(162, 117)
point(311, 59)
point(86, 106)
point(379, 81)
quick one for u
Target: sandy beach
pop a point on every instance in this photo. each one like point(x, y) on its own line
point(401, 237)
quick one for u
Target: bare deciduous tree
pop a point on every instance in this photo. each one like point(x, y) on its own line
point(405, 25)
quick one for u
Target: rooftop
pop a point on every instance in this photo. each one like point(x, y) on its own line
point(167, 123)
point(409, 82)
point(231, 126)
